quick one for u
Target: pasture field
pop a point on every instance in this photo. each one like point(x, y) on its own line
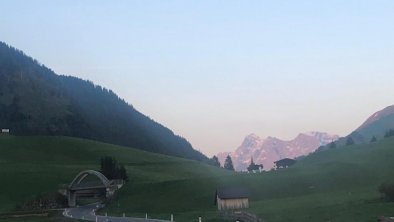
point(30, 166)
point(335, 185)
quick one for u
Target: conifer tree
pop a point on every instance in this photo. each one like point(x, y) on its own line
point(215, 161)
point(228, 163)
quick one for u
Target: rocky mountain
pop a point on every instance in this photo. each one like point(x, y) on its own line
point(34, 100)
point(266, 151)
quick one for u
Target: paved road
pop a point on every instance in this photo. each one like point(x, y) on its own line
point(88, 213)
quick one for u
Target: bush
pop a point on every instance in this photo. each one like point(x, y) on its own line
point(387, 191)
point(45, 201)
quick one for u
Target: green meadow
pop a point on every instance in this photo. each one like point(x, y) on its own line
point(335, 185)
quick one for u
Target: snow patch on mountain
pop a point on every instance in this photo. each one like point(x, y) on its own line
point(266, 151)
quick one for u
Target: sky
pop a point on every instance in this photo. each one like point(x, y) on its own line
point(215, 71)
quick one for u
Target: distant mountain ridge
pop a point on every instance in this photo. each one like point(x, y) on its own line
point(266, 151)
point(36, 101)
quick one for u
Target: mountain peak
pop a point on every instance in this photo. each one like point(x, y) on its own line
point(251, 140)
point(252, 136)
point(271, 148)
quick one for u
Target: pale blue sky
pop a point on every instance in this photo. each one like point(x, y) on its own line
point(215, 71)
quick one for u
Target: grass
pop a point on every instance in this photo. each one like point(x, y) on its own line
point(30, 166)
point(51, 217)
point(335, 185)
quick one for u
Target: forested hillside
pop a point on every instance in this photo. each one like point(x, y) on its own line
point(36, 101)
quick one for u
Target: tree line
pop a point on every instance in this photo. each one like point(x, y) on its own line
point(228, 164)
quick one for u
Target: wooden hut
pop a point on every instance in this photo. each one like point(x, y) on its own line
point(284, 163)
point(232, 198)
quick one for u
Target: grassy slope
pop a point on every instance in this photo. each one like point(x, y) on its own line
point(378, 128)
point(33, 165)
point(334, 185)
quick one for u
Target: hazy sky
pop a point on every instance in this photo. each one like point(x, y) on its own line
point(215, 71)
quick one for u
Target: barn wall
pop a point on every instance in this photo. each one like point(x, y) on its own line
point(230, 204)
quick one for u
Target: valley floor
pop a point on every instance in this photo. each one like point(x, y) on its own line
point(334, 185)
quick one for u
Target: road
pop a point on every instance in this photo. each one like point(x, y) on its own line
point(88, 213)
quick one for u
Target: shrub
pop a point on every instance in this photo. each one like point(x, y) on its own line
point(387, 191)
point(45, 201)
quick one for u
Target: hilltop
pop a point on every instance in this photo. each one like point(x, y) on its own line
point(34, 100)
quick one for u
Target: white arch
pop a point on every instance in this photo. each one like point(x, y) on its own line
point(82, 175)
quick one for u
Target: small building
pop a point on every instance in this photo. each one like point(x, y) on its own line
point(232, 198)
point(6, 131)
point(284, 163)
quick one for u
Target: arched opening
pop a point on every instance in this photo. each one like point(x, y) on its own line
point(88, 196)
point(87, 187)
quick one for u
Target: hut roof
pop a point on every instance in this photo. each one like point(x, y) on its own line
point(285, 159)
point(232, 193)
